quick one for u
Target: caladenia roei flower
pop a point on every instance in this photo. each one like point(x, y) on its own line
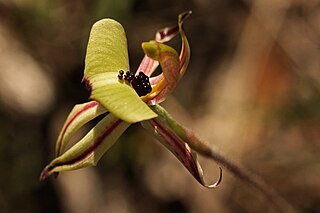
point(124, 98)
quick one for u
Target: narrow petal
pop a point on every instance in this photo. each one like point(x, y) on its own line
point(147, 66)
point(162, 91)
point(167, 33)
point(107, 49)
point(184, 59)
point(89, 150)
point(185, 47)
point(119, 98)
point(180, 149)
point(79, 115)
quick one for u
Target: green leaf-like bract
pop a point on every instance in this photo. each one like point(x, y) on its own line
point(107, 54)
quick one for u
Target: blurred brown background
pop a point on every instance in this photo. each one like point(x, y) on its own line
point(252, 89)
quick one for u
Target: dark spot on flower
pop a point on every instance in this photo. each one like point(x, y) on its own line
point(120, 75)
point(87, 84)
point(128, 76)
point(140, 82)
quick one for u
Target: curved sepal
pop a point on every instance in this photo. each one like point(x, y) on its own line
point(185, 47)
point(89, 150)
point(119, 98)
point(79, 115)
point(180, 149)
point(148, 65)
point(167, 33)
point(173, 67)
point(107, 49)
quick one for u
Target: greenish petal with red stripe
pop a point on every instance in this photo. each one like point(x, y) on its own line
point(180, 149)
point(89, 150)
point(173, 65)
point(79, 115)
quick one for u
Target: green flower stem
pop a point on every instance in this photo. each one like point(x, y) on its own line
point(210, 152)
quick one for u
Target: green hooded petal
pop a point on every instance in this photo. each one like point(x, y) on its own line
point(107, 54)
point(107, 49)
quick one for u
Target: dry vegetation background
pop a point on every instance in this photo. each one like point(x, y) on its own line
point(252, 90)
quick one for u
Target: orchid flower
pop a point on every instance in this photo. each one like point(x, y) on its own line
point(124, 98)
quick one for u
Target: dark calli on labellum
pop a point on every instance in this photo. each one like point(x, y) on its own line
point(140, 82)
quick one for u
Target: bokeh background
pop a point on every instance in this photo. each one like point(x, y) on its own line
point(252, 90)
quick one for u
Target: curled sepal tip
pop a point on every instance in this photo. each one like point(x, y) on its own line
point(180, 149)
point(167, 33)
point(218, 181)
point(148, 65)
point(89, 150)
